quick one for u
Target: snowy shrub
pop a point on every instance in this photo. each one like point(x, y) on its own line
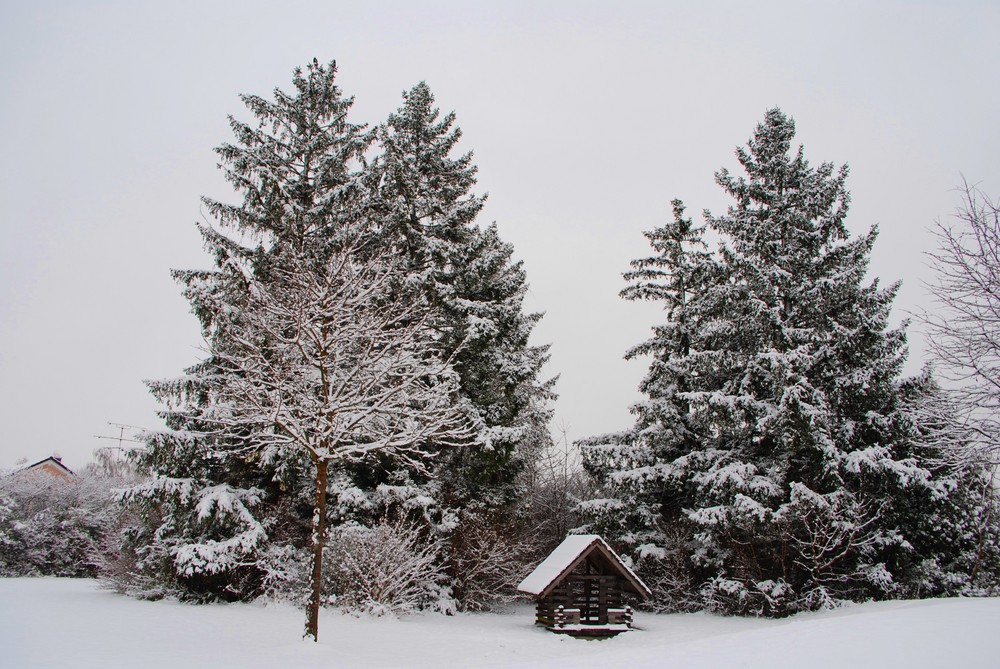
point(952, 524)
point(668, 572)
point(288, 581)
point(8, 537)
point(731, 596)
point(487, 563)
point(953, 541)
point(53, 527)
point(832, 539)
point(120, 566)
point(392, 567)
point(197, 542)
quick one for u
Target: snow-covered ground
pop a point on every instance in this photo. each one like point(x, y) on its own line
point(54, 623)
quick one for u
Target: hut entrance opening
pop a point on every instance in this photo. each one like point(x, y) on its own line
point(590, 589)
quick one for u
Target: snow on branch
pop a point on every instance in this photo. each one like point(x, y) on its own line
point(329, 357)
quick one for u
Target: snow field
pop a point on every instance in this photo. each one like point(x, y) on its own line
point(55, 623)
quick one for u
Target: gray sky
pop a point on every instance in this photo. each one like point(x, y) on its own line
point(586, 119)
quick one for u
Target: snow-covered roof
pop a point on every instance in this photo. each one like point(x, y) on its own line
point(567, 556)
point(51, 465)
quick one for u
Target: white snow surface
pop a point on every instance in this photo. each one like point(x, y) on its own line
point(55, 623)
point(562, 557)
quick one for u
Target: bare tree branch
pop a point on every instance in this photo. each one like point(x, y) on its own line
point(964, 325)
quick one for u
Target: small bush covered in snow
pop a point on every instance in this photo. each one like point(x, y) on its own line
point(392, 567)
point(54, 527)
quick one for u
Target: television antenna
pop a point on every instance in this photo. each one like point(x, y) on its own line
point(121, 438)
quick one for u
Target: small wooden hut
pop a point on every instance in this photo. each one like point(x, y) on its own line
point(580, 587)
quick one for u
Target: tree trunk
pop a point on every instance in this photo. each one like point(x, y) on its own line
point(318, 540)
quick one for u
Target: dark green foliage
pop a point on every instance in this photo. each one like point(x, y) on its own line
point(770, 463)
point(428, 213)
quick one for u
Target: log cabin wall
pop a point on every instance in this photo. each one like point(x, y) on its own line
point(590, 588)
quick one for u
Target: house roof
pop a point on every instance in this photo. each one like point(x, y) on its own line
point(571, 552)
point(51, 465)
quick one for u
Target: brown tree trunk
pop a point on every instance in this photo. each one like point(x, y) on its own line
point(318, 539)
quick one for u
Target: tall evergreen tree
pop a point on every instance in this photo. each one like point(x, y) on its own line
point(425, 193)
point(792, 375)
point(428, 213)
point(808, 418)
point(643, 512)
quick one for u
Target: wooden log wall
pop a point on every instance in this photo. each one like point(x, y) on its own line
point(592, 593)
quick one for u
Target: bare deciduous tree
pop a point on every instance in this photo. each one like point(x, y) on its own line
point(964, 326)
point(329, 359)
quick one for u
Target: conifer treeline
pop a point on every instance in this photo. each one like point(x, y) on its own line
point(779, 462)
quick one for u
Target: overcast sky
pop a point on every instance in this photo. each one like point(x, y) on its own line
point(586, 119)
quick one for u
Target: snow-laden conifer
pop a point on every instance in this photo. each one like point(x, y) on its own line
point(792, 464)
point(426, 208)
point(637, 466)
point(428, 214)
point(805, 416)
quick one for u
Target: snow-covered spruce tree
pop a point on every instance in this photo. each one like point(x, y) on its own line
point(797, 493)
point(642, 512)
point(424, 194)
point(428, 214)
point(499, 372)
point(794, 485)
point(793, 374)
point(427, 211)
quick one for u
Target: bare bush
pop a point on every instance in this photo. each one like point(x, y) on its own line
point(391, 568)
point(554, 485)
point(487, 563)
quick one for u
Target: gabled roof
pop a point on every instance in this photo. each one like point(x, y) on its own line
point(50, 465)
point(567, 556)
